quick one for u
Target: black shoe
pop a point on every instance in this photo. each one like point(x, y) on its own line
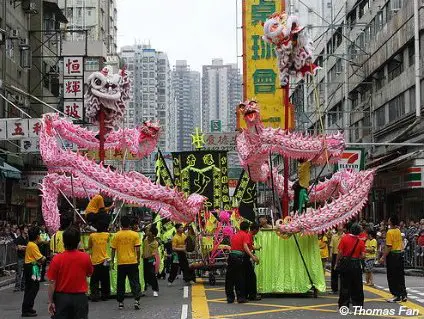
point(404, 299)
point(32, 311)
point(121, 306)
point(255, 298)
point(137, 305)
point(242, 301)
point(395, 299)
point(28, 314)
point(230, 300)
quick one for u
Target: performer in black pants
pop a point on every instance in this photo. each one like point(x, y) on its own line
point(249, 269)
point(334, 246)
point(393, 256)
point(150, 249)
point(235, 276)
point(179, 251)
point(351, 287)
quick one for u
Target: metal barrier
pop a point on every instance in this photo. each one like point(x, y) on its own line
point(414, 256)
point(8, 255)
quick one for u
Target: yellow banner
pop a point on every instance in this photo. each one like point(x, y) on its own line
point(112, 155)
point(260, 72)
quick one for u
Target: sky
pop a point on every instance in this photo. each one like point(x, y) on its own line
point(192, 30)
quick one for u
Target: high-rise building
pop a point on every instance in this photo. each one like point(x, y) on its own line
point(221, 92)
point(151, 97)
point(186, 86)
point(98, 17)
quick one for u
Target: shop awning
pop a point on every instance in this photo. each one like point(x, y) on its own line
point(52, 6)
point(400, 160)
point(8, 171)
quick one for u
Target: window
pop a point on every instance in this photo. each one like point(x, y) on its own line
point(411, 54)
point(335, 114)
point(379, 21)
point(379, 79)
point(363, 7)
point(395, 66)
point(396, 108)
point(145, 59)
point(152, 74)
point(356, 130)
point(152, 59)
point(412, 99)
point(380, 116)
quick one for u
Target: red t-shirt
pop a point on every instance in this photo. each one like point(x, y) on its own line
point(250, 243)
point(239, 239)
point(70, 270)
point(348, 242)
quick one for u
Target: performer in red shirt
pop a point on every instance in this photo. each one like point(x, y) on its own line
point(235, 276)
point(251, 284)
point(68, 274)
point(353, 248)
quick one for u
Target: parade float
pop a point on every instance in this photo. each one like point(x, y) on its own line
point(290, 260)
point(74, 175)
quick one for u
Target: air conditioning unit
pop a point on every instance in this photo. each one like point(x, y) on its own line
point(24, 42)
point(14, 34)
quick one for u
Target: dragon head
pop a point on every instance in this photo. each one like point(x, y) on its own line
point(250, 111)
point(149, 129)
point(105, 86)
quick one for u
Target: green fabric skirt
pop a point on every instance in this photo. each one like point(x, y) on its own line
point(281, 269)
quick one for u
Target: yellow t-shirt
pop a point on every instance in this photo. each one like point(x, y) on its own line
point(304, 174)
point(98, 244)
point(125, 242)
point(334, 243)
point(56, 243)
point(323, 247)
point(149, 248)
point(394, 239)
point(178, 241)
point(95, 204)
point(371, 244)
point(32, 253)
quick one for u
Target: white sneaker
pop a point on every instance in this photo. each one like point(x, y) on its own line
point(155, 294)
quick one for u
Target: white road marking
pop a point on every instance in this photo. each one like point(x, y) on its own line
point(420, 300)
point(185, 294)
point(421, 294)
point(412, 290)
point(413, 297)
point(184, 312)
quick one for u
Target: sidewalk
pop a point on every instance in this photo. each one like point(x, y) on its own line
point(7, 280)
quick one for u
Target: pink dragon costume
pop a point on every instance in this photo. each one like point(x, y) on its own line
point(88, 177)
point(347, 190)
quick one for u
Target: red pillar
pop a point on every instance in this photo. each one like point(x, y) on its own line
point(102, 133)
point(286, 160)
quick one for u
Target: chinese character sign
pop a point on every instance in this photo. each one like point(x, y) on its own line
point(73, 88)
point(30, 145)
point(34, 126)
point(74, 109)
point(17, 129)
point(73, 66)
point(220, 141)
point(261, 71)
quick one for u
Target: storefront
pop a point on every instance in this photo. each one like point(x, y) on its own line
point(10, 207)
point(399, 187)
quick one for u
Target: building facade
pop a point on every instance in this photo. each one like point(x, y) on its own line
point(99, 17)
point(368, 89)
point(151, 96)
point(221, 93)
point(186, 87)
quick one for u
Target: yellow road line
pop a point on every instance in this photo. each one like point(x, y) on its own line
point(199, 304)
point(385, 295)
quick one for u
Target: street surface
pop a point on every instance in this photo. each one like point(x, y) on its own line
point(202, 301)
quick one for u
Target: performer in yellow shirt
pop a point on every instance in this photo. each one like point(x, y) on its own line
point(394, 260)
point(56, 241)
point(126, 243)
point(180, 252)
point(370, 257)
point(97, 211)
point(150, 250)
point(32, 274)
point(97, 243)
point(302, 185)
point(323, 247)
point(334, 246)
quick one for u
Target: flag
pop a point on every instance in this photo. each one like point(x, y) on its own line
point(245, 196)
point(163, 175)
